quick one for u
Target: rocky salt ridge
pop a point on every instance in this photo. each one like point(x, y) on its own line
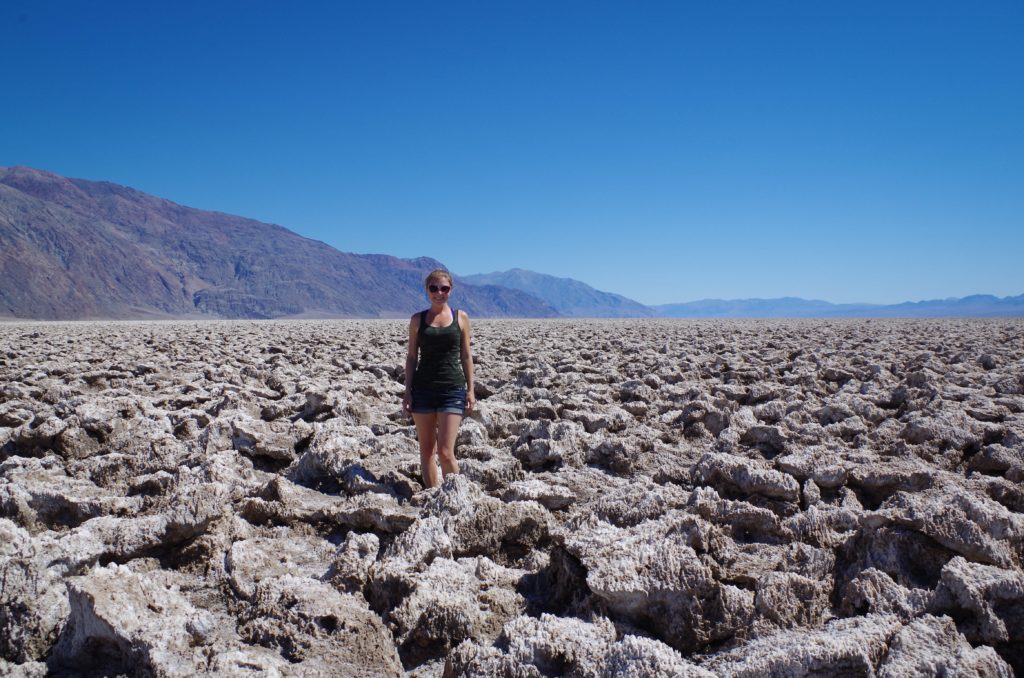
point(649, 498)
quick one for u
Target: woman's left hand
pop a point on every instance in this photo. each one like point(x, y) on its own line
point(470, 401)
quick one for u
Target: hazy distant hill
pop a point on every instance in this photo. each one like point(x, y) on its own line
point(981, 305)
point(569, 297)
point(71, 248)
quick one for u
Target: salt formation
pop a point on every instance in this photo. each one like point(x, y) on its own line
point(638, 498)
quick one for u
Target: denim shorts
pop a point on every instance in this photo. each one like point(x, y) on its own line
point(427, 401)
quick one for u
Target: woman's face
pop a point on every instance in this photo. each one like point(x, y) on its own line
point(438, 289)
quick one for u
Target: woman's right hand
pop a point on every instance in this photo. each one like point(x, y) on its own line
point(407, 403)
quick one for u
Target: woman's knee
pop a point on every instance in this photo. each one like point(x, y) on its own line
point(446, 454)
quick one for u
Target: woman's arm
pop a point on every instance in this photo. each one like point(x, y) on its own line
point(467, 360)
point(410, 362)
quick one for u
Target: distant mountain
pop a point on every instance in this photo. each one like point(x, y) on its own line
point(977, 305)
point(980, 305)
point(71, 248)
point(569, 297)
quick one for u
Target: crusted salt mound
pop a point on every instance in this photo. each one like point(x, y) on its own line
point(638, 498)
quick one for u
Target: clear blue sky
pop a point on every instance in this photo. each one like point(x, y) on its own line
point(669, 151)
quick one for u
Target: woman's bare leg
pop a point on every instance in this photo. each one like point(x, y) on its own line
point(447, 430)
point(426, 432)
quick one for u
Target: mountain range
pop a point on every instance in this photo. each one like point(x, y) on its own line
point(975, 306)
point(78, 249)
point(574, 298)
point(569, 297)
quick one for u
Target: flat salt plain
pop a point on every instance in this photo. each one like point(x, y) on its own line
point(638, 498)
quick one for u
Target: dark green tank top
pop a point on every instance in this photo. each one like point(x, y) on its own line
point(439, 366)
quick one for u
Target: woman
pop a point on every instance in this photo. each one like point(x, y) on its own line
point(438, 377)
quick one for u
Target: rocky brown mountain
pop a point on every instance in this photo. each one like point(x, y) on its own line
point(74, 249)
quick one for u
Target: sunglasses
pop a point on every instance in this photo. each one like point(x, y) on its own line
point(440, 288)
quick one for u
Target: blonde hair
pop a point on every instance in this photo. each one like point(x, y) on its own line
point(437, 274)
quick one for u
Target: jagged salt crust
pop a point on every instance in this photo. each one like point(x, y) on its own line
point(638, 498)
